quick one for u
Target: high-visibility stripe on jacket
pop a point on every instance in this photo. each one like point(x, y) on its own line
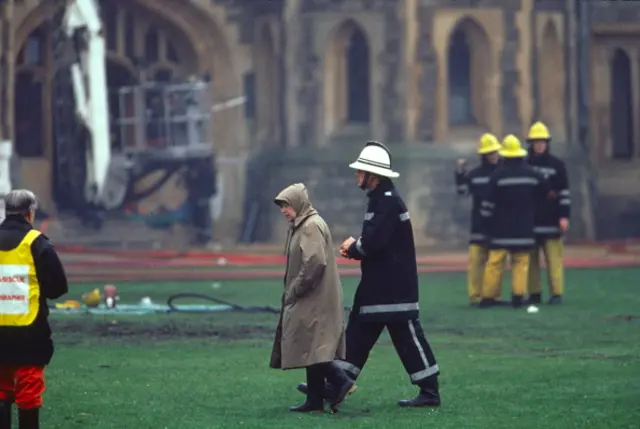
point(476, 184)
point(549, 212)
point(388, 289)
point(515, 190)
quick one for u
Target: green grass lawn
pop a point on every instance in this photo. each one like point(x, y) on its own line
point(576, 366)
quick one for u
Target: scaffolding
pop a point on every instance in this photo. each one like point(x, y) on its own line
point(168, 120)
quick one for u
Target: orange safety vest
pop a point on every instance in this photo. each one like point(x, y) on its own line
point(19, 286)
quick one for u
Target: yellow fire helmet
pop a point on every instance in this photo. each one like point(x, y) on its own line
point(511, 148)
point(488, 144)
point(538, 131)
point(92, 299)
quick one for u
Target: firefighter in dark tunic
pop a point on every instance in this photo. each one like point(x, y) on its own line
point(552, 217)
point(514, 191)
point(387, 296)
point(475, 183)
point(30, 273)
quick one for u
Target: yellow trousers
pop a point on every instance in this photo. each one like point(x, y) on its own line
point(478, 257)
point(553, 255)
point(495, 269)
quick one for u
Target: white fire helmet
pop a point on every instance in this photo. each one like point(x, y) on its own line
point(375, 158)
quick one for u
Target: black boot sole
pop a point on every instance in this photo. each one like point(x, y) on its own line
point(302, 388)
point(307, 410)
point(411, 404)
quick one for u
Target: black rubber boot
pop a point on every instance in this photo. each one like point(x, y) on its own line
point(340, 382)
point(308, 407)
point(5, 414)
point(534, 299)
point(517, 301)
point(555, 300)
point(328, 389)
point(29, 419)
point(429, 395)
point(315, 383)
point(302, 388)
point(487, 303)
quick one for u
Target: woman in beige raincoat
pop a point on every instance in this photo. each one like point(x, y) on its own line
point(310, 331)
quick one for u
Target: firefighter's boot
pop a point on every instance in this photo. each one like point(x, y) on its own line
point(429, 395)
point(534, 299)
point(555, 300)
point(517, 301)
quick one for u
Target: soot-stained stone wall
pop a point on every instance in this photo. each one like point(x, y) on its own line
point(440, 217)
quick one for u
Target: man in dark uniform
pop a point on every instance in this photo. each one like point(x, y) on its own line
point(30, 273)
point(514, 191)
point(387, 295)
point(552, 217)
point(200, 182)
point(476, 183)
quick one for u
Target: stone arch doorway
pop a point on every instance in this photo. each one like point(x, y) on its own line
point(168, 53)
point(347, 79)
point(267, 88)
point(551, 82)
point(32, 121)
point(621, 106)
point(31, 96)
point(119, 75)
point(141, 48)
point(139, 45)
point(201, 28)
point(468, 73)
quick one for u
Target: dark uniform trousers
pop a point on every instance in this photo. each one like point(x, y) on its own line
point(408, 339)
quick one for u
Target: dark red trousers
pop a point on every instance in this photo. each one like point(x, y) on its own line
point(23, 385)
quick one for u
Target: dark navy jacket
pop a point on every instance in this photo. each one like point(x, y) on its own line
point(388, 289)
point(549, 212)
point(515, 190)
point(32, 345)
point(476, 184)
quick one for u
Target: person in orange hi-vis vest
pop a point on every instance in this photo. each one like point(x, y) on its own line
point(30, 273)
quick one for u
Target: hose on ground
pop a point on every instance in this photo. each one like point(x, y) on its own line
point(233, 307)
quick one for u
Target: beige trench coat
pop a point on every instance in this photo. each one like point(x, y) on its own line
point(311, 325)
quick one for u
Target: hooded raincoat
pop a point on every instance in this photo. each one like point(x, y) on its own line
point(311, 325)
